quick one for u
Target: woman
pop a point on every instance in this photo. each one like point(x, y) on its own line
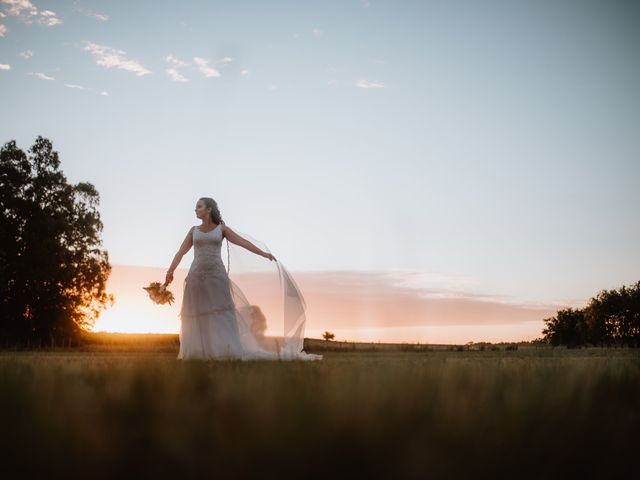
point(216, 319)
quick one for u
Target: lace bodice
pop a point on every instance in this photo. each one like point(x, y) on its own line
point(207, 243)
point(206, 251)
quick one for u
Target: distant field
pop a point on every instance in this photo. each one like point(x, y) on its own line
point(534, 413)
point(168, 342)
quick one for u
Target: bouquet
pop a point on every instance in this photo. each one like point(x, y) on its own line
point(159, 294)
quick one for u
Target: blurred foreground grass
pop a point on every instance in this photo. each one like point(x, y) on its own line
point(537, 413)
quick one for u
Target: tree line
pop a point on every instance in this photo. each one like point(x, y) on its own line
point(612, 317)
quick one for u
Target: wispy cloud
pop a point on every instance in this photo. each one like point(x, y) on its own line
point(5, 66)
point(90, 13)
point(28, 13)
point(171, 59)
point(368, 84)
point(172, 71)
point(104, 94)
point(204, 67)
point(98, 16)
point(41, 76)
point(318, 32)
point(71, 85)
point(26, 54)
point(175, 75)
point(244, 72)
point(3, 30)
point(112, 57)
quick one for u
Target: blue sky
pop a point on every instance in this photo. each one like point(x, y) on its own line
point(489, 146)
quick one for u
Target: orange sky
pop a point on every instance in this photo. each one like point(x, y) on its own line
point(367, 306)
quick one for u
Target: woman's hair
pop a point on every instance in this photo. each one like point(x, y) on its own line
point(215, 211)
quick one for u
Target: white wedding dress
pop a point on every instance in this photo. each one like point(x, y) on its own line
point(216, 318)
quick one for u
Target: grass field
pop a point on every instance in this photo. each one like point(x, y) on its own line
point(530, 413)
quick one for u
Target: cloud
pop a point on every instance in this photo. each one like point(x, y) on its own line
point(42, 76)
point(28, 13)
point(174, 61)
point(175, 75)
point(112, 57)
point(317, 32)
point(226, 60)
point(244, 72)
point(368, 84)
point(3, 30)
point(26, 54)
point(49, 19)
point(17, 8)
point(5, 66)
point(349, 299)
point(71, 85)
point(332, 82)
point(172, 71)
point(104, 94)
point(98, 16)
point(204, 68)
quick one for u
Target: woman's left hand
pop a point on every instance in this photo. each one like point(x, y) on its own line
point(269, 256)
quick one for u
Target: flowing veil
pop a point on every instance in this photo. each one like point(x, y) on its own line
point(269, 305)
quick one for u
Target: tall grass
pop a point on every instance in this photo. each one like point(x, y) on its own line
point(541, 413)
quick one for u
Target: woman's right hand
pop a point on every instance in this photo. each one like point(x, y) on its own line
point(169, 278)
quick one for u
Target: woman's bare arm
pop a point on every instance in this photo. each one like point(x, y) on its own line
point(187, 243)
point(233, 237)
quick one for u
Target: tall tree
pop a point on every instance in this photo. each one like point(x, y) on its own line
point(53, 272)
point(611, 317)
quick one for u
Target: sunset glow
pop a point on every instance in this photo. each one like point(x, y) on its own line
point(354, 306)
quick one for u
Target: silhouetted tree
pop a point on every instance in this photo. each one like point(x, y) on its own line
point(565, 328)
point(52, 272)
point(612, 317)
point(328, 336)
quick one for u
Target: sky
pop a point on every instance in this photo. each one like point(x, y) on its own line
point(473, 166)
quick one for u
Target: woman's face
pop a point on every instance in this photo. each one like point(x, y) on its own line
point(201, 210)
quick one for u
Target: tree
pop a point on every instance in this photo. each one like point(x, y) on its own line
point(328, 336)
point(614, 316)
point(611, 317)
point(566, 327)
point(53, 273)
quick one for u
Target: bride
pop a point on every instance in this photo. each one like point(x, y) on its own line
point(217, 321)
